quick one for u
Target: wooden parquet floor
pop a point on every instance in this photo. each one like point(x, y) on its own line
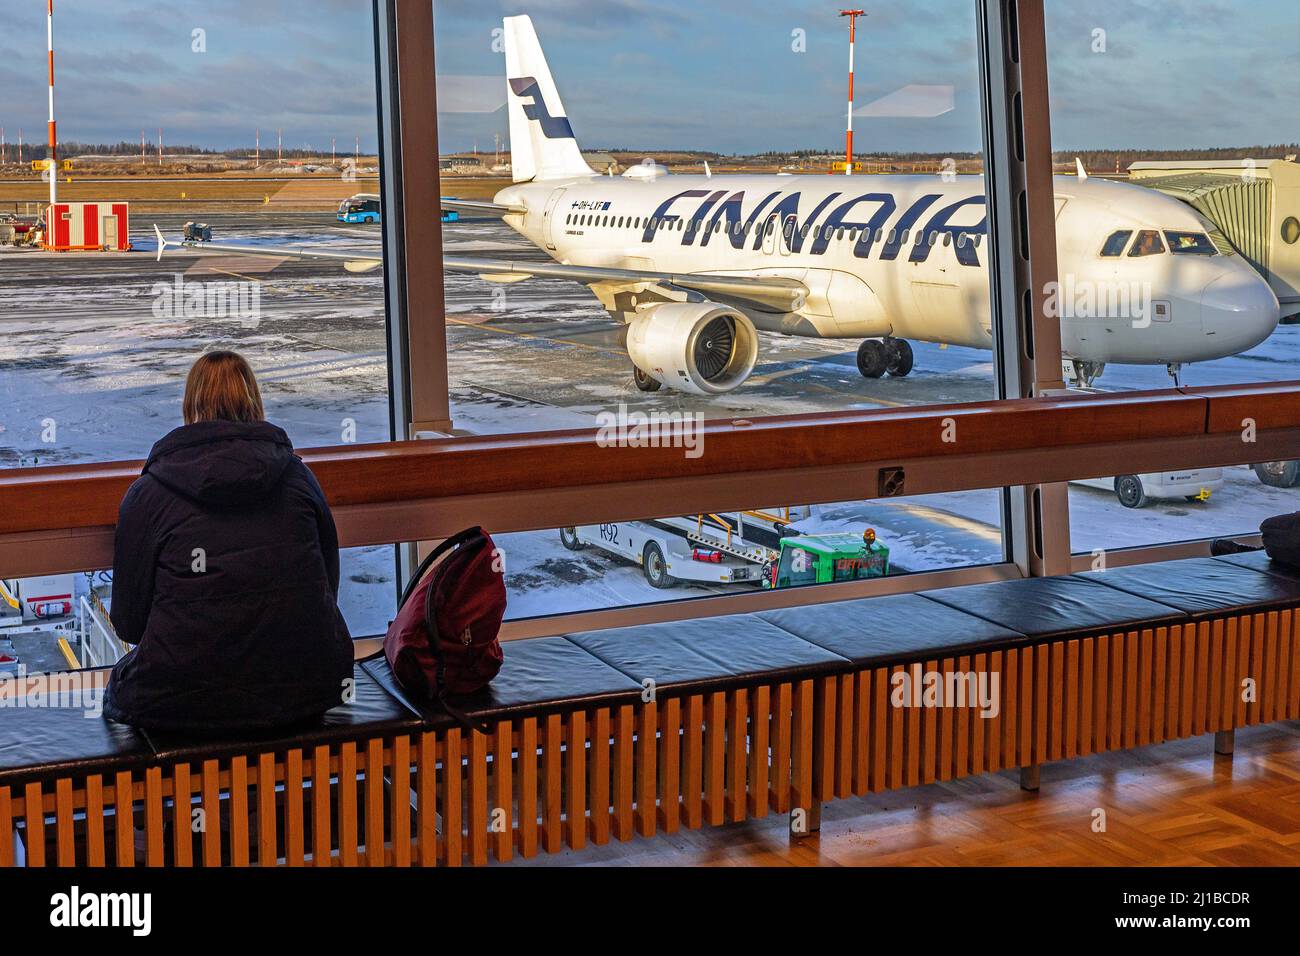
point(1173, 804)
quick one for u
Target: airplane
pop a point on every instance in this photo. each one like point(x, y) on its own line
point(696, 266)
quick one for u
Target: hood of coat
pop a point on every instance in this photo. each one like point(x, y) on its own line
point(222, 463)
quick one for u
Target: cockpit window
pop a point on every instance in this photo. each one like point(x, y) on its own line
point(1147, 243)
point(1189, 243)
point(1115, 243)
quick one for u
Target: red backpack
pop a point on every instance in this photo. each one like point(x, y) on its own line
point(443, 642)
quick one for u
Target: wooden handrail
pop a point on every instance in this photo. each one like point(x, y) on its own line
point(70, 497)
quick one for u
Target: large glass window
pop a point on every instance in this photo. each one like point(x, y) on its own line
point(720, 264)
point(1186, 128)
point(260, 131)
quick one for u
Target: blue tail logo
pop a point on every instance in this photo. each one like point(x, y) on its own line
point(553, 127)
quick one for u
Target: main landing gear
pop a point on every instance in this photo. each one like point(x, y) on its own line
point(878, 356)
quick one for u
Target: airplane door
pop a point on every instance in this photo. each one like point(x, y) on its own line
point(548, 218)
point(769, 236)
point(787, 234)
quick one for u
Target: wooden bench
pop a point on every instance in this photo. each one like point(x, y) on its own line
point(644, 730)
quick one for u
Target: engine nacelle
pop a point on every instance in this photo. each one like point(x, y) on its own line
point(696, 347)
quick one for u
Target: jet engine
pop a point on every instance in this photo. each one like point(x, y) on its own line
point(697, 347)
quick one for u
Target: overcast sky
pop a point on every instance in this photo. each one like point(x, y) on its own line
point(642, 74)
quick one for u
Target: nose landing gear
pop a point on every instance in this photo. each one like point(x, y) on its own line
point(876, 357)
point(1176, 373)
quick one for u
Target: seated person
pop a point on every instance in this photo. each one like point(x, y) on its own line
point(1281, 537)
point(226, 573)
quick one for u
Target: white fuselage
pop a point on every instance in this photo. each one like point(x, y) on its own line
point(907, 256)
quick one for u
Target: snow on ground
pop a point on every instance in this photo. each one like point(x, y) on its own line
point(82, 346)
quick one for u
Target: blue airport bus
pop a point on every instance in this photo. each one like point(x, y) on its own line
point(363, 207)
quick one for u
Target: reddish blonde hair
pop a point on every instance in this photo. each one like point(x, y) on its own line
point(221, 387)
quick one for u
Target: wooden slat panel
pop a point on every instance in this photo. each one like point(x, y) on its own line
point(576, 781)
point(95, 851)
point(715, 744)
point(1187, 680)
point(7, 829)
point(1042, 667)
point(1117, 681)
point(978, 723)
point(503, 779)
point(321, 824)
point(375, 802)
point(267, 851)
point(182, 827)
point(1101, 698)
point(844, 738)
point(552, 783)
point(1145, 660)
point(880, 728)
point(478, 798)
point(897, 719)
point(1254, 708)
point(1273, 679)
point(962, 732)
point(670, 765)
point(452, 797)
point(737, 753)
point(1244, 625)
point(600, 776)
point(1011, 695)
point(1056, 700)
point(647, 770)
point(1026, 719)
point(782, 715)
point(1290, 626)
point(1087, 693)
point(400, 800)
point(64, 842)
point(760, 728)
point(1160, 669)
point(153, 817)
point(123, 821)
point(1071, 688)
point(1218, 671)
point(1201, 687)
point(347, 790)
point(426, 820)
point(624, 728)
point(825, 708)
point(862, 717)
point(912, 739)
point(528, 788)
point(295, 837)
point(993, 738)
point(801, 756)
point(693, 762)
point(211, 794)
point(34, 815)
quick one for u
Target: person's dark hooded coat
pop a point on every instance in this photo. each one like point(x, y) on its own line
point(226, 577)
point(1281, 538)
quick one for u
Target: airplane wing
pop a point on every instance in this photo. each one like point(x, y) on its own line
point(770, 291)
point(481, 207)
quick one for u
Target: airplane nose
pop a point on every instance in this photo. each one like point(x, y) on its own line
point(1238, 311)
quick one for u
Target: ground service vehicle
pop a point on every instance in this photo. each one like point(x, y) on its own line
point(363, 208)
point(1134, 491)
point(827, 558)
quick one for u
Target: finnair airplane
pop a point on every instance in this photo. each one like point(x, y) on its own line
point(697, 266)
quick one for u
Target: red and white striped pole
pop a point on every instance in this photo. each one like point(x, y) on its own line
point(853, 20)
point(54, 137)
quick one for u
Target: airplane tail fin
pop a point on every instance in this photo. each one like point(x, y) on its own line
point(542, 144)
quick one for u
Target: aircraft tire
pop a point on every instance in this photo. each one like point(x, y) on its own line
point(873, 358)
point(569, 538)
point(900, 357)
point(644, 381)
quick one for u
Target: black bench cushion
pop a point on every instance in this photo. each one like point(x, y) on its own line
point(372, 711)
point(1260, 561)
point(885, 630)
point(1202, 586)
point(706, 651)
point(1055, 607)
point(538, 674)
point(40, 743)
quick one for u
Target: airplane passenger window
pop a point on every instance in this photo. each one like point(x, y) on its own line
point(1193, 243)
point(1147, 243)
point(1115, 243)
